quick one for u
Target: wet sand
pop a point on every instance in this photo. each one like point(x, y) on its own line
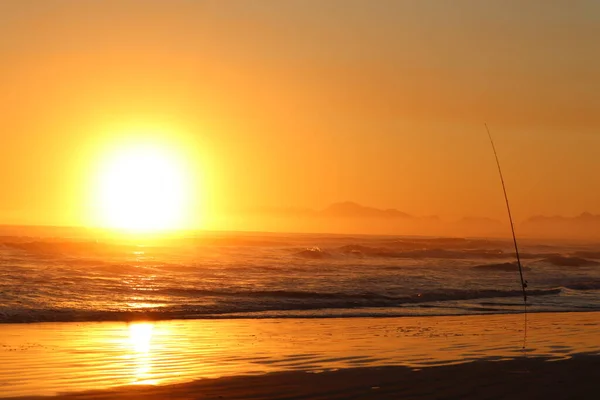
point(577, 378)
point(304, 358)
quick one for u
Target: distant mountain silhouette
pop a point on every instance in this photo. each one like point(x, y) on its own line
point(583, 218)
point(350, 209)
point(585, 225)
point(349, 216)
point(345, 209)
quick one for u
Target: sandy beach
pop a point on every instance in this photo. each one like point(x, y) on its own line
point(520, 379)
point(412, 357)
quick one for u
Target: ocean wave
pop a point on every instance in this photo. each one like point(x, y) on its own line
point(436, 248)
point(582, 286)
point(503, 267)
point(231, 302)
point(314, 253)
point(587, 254)
point(58, 248)
point(436, 253)
point(445, 295)
point(383, 252)
point(570, 261)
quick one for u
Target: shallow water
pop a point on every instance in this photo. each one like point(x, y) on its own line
point(48, 358)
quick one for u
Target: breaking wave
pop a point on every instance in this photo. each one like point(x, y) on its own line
point(570, 261)
point(503, 267)
point(259, 301)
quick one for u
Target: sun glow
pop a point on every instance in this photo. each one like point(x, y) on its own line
point(143, 188)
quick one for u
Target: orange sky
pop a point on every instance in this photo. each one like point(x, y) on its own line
point(306, 103)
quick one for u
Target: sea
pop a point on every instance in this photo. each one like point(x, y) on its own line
point(68, 275)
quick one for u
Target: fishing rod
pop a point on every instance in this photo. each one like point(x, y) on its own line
point(512, 225)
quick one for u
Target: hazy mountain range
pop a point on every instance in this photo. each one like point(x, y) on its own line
point(585, 225)
point(350, 216)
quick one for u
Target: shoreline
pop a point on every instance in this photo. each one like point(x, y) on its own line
point(50, 358)
point(142, 317)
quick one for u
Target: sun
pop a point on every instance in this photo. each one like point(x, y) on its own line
point(143, 188)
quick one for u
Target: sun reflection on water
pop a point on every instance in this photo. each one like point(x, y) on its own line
point(140, 338)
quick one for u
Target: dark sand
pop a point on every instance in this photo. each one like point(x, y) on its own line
point(576, 378)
